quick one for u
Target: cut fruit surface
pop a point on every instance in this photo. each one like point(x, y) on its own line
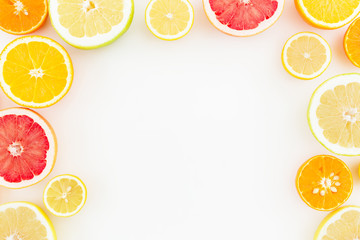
point(65, 195)
point(306, 55)
point(243, 17)
point(352, 42)
point(324, 182)
point(90, 24)
point(24, 221)
point(27, 148)
point(22, 16)
point(334, 114)
point(328, 14)
point(35, 71)
point(342, 224)
point(169, 19)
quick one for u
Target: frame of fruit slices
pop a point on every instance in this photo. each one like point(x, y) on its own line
point(37, 72)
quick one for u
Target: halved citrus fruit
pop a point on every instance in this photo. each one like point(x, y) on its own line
point(342, 224)
point(65, 195)
point(35, 71)
point(352, 42)
point(24, 220)
point(328, 14)
point(242, 18)
point(27, 148)
point(334, 114)
point(306, 55)
point(22, 16)
point(90, 24)
point(324, 182)
point(169, 19)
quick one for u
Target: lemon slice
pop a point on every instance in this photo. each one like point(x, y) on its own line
point(169, 19)
point(328, 14)
point(65, 195)
point(334, 114)
point(342, 224)
point(23, 220)
point(306, 55)
point(90, 24)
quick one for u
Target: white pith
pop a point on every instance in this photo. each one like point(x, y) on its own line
point(170, 16)
point(35, 72)
point(99, 39)
point(330, 183)
point(50, 156)
point(64, 195)
point(243, 33)
point(315, 102)
point(307, 55)
point(40, 215)
point(19, 7)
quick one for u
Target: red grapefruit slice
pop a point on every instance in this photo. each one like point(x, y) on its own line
point(242, 18)
point(27, 148)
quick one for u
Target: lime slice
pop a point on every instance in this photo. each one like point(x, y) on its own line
point(91, 24)
point(334, 114)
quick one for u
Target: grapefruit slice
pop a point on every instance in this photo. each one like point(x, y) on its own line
point(27, 148)
point(243, 18)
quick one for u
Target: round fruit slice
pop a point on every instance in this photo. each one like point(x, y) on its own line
point(351, 42)
point(24, 220)
point(324, 182)
point(342, 224)
point(27, 148)
point(306, 55)
point(65, 195)
point(243, 18)
point(328, 14)
point(90, 24)
point(169, 19)
point(35, 71)
point(334, 114)
point(22, 16)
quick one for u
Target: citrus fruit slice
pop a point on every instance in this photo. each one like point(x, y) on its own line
point(324, 182)
point(22, 16)
point(342, 224)
point(306, 55)
point(334, 114)
point(35, 71)
point(27, 148)
point(328, 14)
point(169, 19)
point(352, 42)
point(65, 195)
point(243, 17)
point(24, 220)
point(90, 24)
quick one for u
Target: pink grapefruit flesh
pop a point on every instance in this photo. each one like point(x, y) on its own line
point(27, 148)
point(243, 17)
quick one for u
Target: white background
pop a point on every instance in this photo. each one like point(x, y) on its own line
point(199, 138)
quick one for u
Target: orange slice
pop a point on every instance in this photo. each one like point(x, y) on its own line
point(35, 71)
point(324, 182)
point(352, 42)
point(22, 16)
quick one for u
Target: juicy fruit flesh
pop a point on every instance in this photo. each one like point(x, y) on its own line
point(21, 15)
point(65, 195)
point(243, 14)
point(347, 227)
point(23, 148)
point(330, 11)
point(169, 17)
point(339, 115)
point(21, 224)
point(325, 183)
point(88, 18)
point(352, 42)
point(306, 55)
point(35, 72)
